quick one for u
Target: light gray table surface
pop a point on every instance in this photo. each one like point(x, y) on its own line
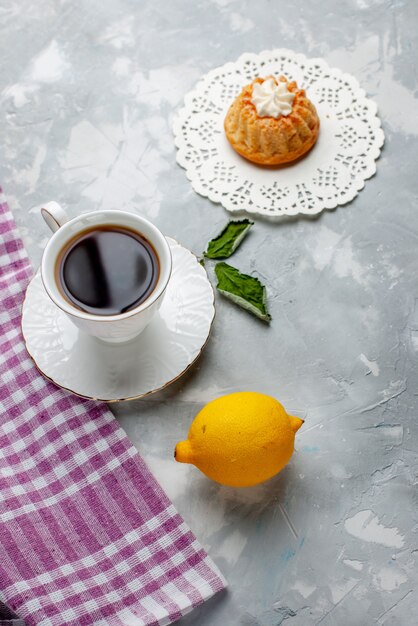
point(88, 92)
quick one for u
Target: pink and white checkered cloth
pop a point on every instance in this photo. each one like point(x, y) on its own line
point(87, 536)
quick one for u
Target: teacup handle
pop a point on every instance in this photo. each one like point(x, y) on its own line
point(54, 215)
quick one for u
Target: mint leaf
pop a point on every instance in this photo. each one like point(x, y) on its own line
point(244, 290)
point(228, 240)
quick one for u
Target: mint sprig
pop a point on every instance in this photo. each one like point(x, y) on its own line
point(228, 240)
point(246, 291)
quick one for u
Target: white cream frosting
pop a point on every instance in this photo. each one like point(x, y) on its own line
point(271, 100)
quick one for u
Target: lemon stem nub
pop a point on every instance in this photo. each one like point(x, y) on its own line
point(183, 452)
point(295, 422)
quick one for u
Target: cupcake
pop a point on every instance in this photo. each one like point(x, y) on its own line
point(272, 122)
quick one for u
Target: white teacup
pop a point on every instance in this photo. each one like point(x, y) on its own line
point(113, 328)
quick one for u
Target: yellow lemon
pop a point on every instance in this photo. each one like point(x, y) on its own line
point(240, 439)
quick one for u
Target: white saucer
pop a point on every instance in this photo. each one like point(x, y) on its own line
point(114, 372)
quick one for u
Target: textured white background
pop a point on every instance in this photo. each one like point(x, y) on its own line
point(88, 94)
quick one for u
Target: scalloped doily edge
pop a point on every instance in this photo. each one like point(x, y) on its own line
point(357, 184)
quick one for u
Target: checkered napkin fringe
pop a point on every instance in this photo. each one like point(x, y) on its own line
point(87, 536)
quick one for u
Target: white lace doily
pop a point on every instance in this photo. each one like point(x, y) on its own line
point(331, 174)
